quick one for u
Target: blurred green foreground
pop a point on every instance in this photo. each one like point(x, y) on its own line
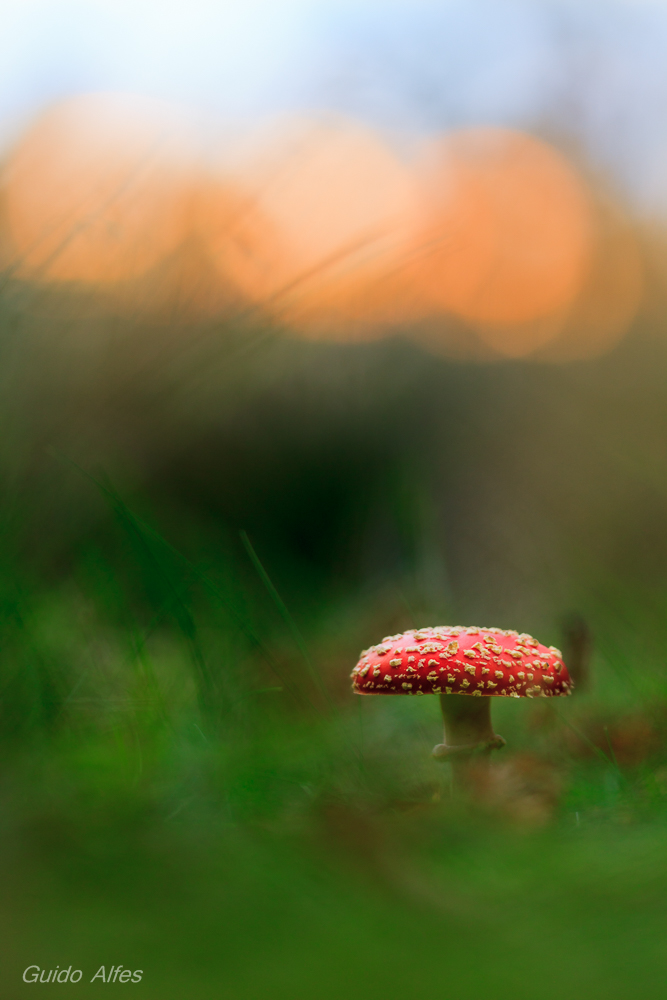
point(200, 530)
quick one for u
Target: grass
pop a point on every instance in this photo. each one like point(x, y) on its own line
point(178, 796)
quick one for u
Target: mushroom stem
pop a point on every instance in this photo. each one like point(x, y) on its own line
point(468, 728)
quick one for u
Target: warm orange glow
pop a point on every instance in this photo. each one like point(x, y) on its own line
point(518, 340)
point(506, 229)
point(486, 246)
point(323, 221)
point(588, 327)
point(610, 298)
point(99, 189)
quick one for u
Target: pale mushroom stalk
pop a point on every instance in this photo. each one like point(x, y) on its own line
point(468, 733)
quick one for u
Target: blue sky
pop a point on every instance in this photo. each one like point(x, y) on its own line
point(594, 72)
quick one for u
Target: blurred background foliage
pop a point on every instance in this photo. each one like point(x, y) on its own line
point(209, 506)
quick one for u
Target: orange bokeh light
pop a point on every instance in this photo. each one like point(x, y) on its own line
point(320, 225)
point(610, 298)
point(310, 221)
point(587, 327)
point(505, 235)
point(99, 189)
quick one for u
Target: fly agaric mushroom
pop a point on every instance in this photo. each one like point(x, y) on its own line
point(466, 667)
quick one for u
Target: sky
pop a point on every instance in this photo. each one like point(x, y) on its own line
point(592, 72)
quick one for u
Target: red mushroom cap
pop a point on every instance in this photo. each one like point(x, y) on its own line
point(488, 662)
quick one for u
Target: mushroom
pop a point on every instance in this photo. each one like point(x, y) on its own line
point(467, 667)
